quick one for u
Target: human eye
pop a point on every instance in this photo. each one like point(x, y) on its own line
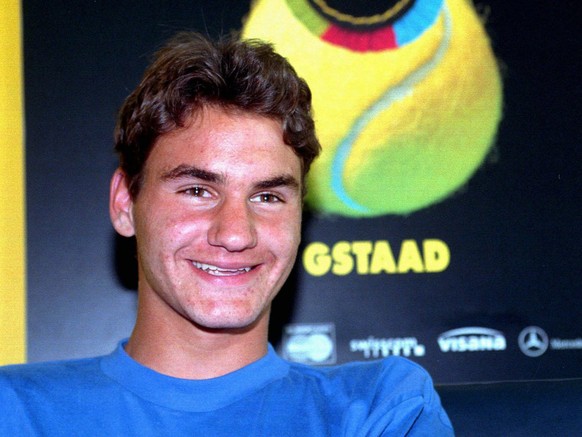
point(266, 198)
point(196, 191)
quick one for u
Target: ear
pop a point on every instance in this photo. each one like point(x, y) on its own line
point(121, 204)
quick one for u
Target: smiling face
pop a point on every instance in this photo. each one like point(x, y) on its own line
point(217, 220)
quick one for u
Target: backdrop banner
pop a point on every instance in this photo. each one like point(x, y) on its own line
point(441, 221)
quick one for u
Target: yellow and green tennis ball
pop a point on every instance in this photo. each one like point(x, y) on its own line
point(407, 97)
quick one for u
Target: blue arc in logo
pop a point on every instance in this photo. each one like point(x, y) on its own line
point(393, 94)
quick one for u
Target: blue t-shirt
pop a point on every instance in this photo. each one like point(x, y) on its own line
point(114, 395)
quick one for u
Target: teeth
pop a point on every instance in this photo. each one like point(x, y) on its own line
point(217, 271)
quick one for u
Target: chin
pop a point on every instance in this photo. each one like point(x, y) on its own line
point(230, 321)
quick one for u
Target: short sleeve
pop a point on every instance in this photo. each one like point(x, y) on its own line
point(399, 400)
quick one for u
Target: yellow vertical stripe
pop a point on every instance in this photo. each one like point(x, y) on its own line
point(12, 195)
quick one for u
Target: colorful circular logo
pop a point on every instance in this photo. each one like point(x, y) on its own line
point(407, 97)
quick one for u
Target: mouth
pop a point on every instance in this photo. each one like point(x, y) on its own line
point(218, 271)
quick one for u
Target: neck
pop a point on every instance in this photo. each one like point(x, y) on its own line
point(179, 348)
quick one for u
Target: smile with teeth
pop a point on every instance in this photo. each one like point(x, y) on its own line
point(217, 271)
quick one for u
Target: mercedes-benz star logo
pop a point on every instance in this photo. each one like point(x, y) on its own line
point(533, 341)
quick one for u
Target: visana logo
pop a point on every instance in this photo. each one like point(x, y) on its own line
point(472, 339)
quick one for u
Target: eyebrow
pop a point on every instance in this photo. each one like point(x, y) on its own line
point(185, 171)
point(279, 181)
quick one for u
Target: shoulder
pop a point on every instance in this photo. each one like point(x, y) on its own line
point(394, 395)
point(393, 371)
point(38, 395)
point(47, 369)
point(391, 379)
point(23, 380)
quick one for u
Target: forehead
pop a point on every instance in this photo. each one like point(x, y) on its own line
point(225, 141)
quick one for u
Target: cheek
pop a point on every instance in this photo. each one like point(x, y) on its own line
point(284, 236)
point(155, 236)
point(163, 222)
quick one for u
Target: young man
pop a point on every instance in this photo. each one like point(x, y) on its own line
point(214, 146)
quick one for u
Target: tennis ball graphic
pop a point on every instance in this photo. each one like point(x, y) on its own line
point(407, 97)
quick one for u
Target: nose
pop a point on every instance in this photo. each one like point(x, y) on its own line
point(233, 227)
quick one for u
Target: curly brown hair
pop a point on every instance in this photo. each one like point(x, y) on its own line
point(191, 72)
